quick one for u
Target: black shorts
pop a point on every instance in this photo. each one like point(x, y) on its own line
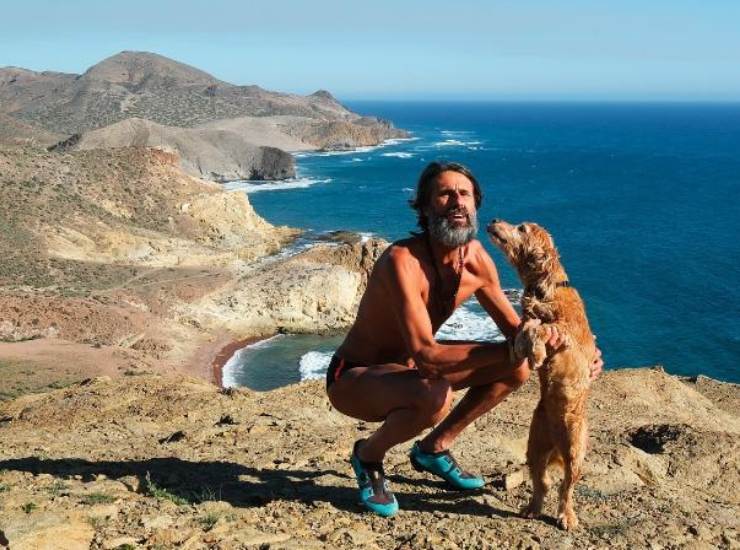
point(339, 366)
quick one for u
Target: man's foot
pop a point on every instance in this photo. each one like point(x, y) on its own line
point(444, 465)
point(374, 491)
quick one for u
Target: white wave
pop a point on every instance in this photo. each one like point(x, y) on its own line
point(357, 159)
point(468, 324)
point(364, 149)
point(396, 141)
point(407, 189)
point(449, 143)
point(472, 145)
point(235, 364)
point(313, 364)
point(398, 154)
point(365, 236)
point(252, 186)
point(454, 133)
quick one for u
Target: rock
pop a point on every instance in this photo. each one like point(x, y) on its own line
point(112, 544)
point(251, 537)
point(132, 483)
point(514, 479)
point(47, 531)
point(156, 522)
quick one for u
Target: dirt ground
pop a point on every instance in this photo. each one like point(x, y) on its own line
point(159, 462)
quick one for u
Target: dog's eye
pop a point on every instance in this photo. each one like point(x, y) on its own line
point(521, 228)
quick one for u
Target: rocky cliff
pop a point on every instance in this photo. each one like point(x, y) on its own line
point(156, 462)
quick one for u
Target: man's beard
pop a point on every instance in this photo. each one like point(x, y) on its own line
point(449, 235)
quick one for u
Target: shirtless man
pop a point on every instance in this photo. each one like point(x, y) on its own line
point(390, 368)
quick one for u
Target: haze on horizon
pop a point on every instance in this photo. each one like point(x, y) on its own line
point(472, 49)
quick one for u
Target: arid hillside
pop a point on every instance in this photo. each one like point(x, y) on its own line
point(116, 261)
point(151, 462)
point(219, 131)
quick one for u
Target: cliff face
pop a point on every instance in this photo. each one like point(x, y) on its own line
point(174, 462)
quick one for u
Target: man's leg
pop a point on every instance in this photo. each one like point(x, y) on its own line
point(488, 387)
point(395, 394)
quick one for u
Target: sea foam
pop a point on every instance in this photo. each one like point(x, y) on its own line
point(253, 186)
point(313, 364)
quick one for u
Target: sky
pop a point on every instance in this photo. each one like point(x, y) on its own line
point(429, 50)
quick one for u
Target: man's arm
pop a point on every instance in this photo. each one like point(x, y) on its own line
point(492, 298)
point(434, 360)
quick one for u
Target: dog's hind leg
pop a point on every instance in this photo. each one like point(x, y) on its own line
point(539, 455)
point(571, 442)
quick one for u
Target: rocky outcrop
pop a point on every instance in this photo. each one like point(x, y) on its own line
point(174, 462)
point(315, 291)
point(211, 153)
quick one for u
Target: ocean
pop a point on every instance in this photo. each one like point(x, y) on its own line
point(641, 199)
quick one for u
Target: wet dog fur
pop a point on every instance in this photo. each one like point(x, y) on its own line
point(558, 433)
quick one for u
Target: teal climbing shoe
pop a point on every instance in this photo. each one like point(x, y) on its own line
point(374, 491)
point(444, 465)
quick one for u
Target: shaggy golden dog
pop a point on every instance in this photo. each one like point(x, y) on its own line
point(558, 434)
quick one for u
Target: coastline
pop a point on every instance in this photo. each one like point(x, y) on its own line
point(227, 352)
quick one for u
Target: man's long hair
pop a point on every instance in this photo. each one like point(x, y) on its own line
point(426, 183)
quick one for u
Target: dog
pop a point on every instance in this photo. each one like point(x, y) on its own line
point(558, 433)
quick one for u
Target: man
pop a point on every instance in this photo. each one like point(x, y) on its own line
point(390, 368)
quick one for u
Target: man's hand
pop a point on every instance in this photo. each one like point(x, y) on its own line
point(553, 340)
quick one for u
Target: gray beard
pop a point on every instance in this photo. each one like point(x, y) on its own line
point(446, 234)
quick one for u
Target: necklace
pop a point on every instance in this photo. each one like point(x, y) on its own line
point(444, 300)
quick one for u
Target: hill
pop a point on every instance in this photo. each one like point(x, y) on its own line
point(152, 87)
point(210, 153)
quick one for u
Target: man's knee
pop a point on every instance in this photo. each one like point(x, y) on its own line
point(435, 401)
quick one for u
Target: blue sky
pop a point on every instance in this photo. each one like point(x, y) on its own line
point(469, 49)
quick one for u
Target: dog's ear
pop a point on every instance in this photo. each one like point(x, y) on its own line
point(534, 257)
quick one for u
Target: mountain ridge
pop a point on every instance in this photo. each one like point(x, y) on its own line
point(151, 86)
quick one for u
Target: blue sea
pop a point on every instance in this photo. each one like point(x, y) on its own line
point(642, 201)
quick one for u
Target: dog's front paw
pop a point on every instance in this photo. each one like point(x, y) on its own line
point(568, 521)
